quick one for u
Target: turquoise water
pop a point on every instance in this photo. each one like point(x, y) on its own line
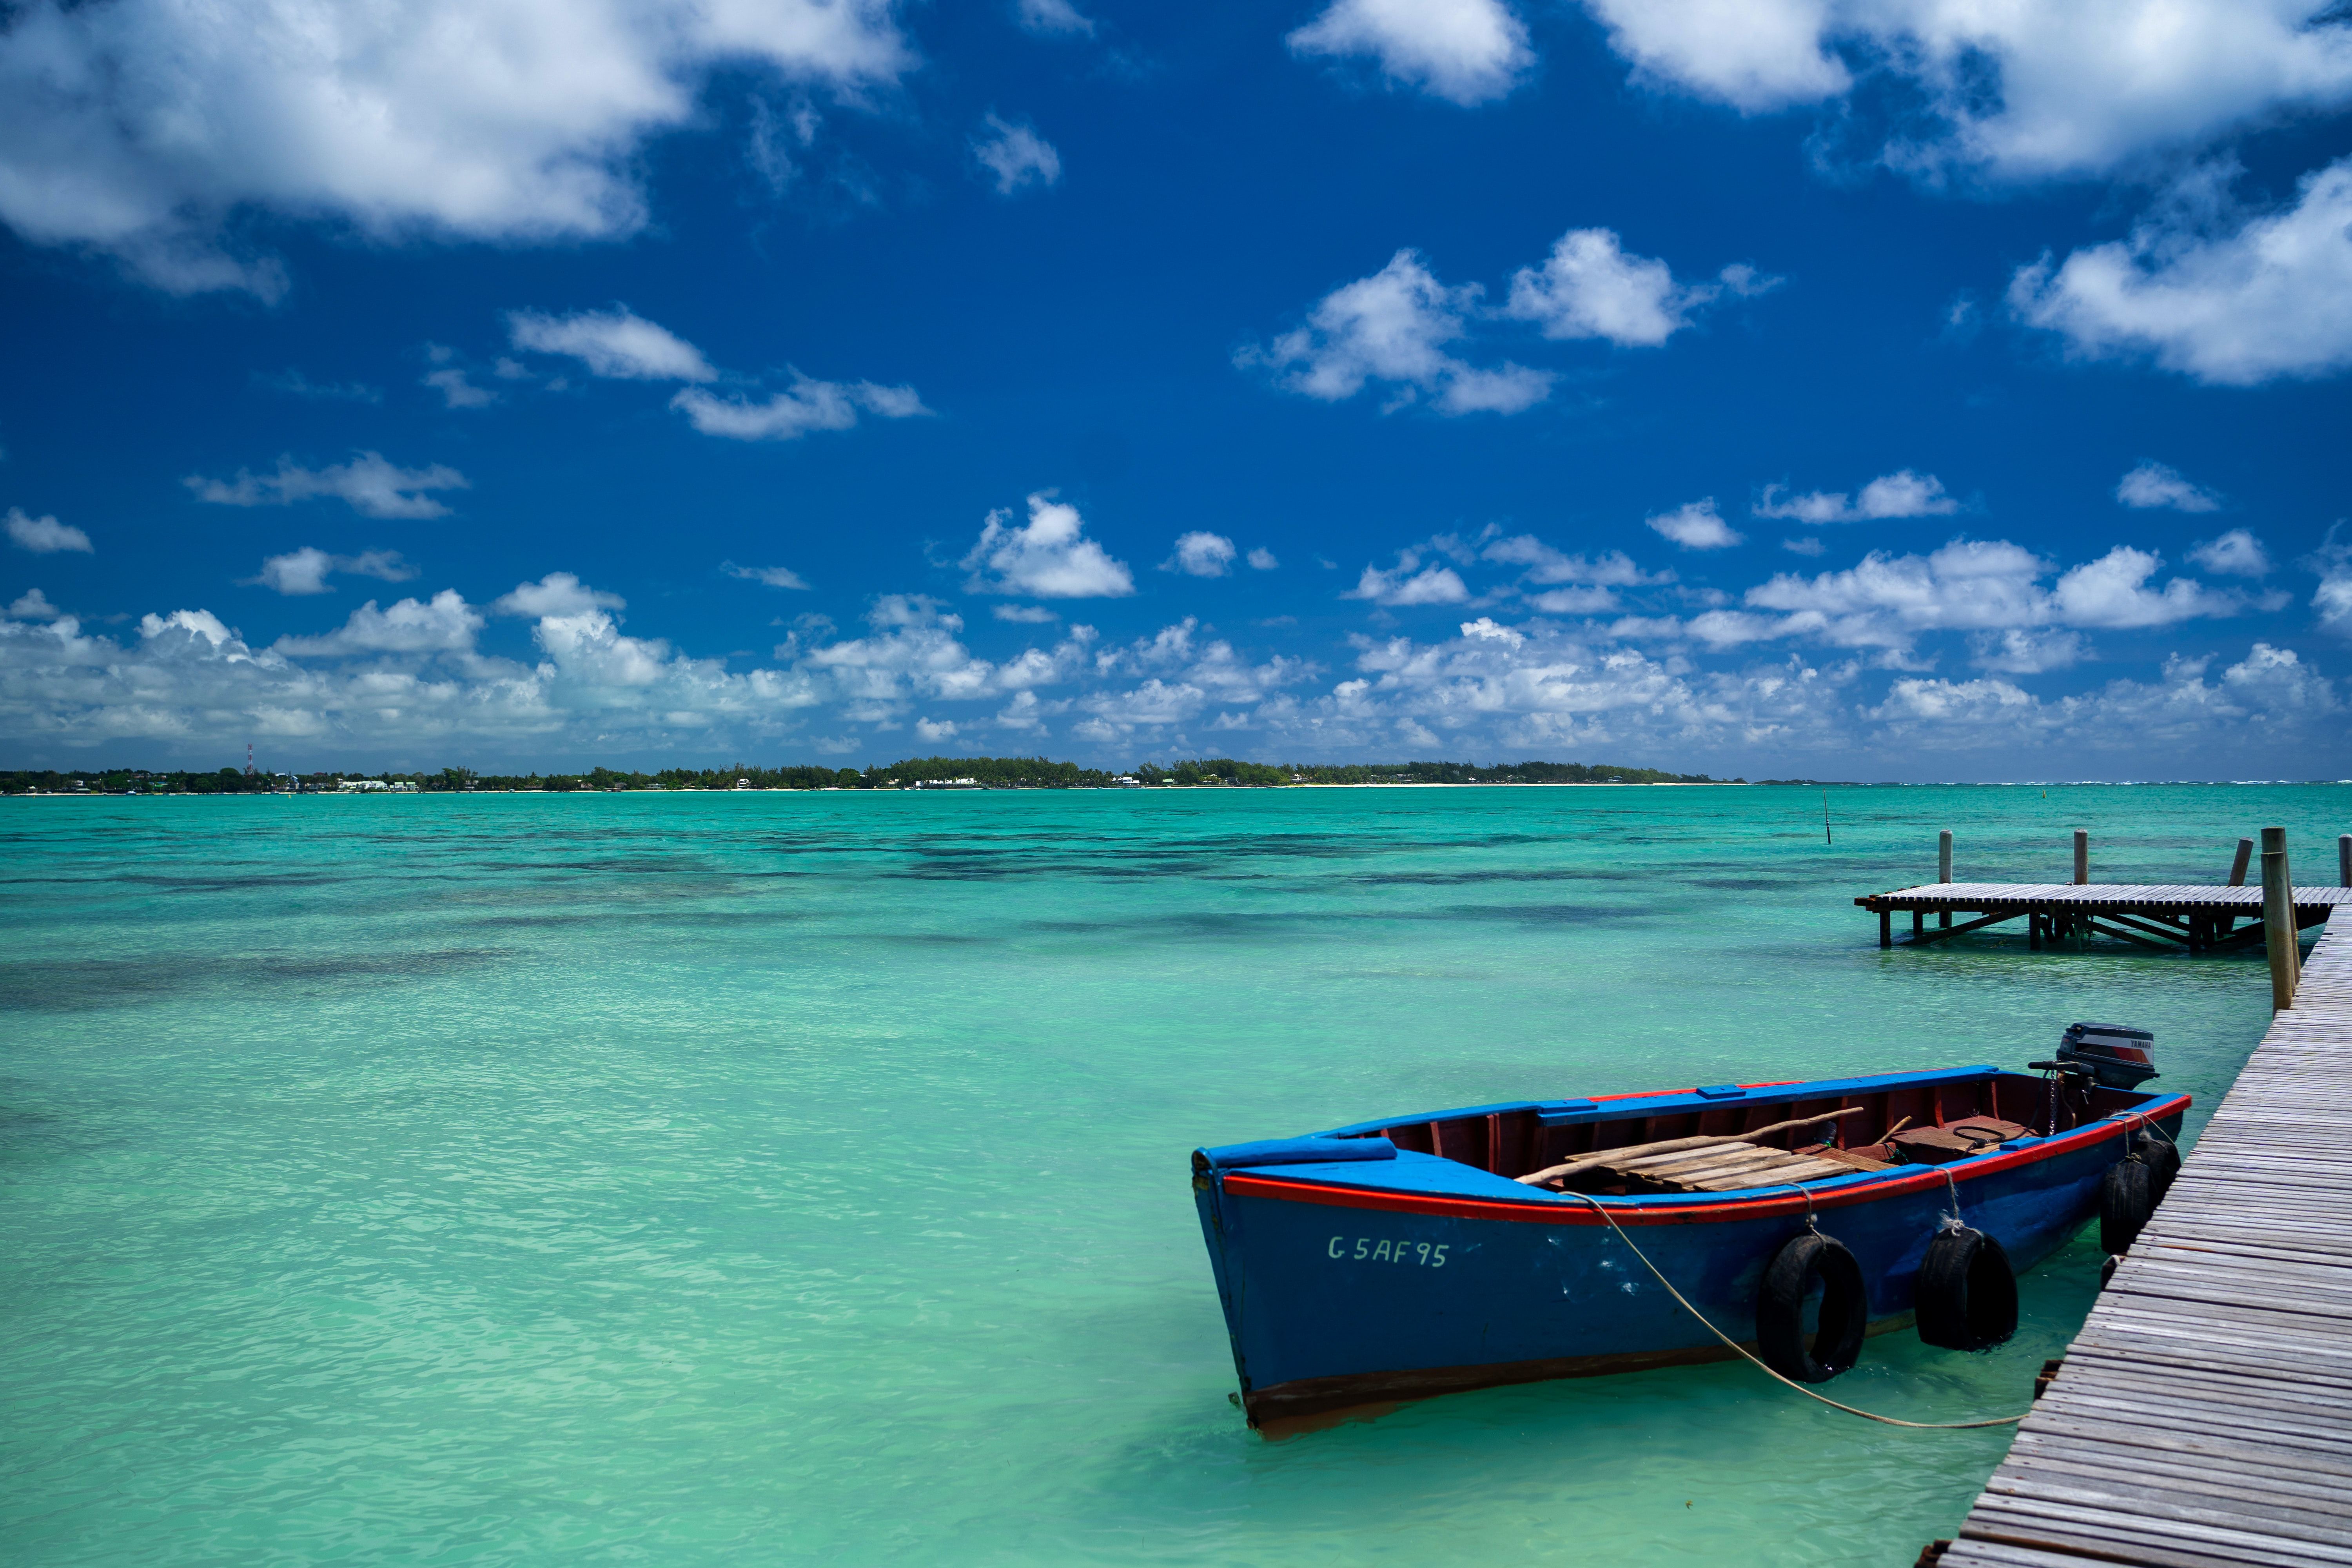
point(768, 1177)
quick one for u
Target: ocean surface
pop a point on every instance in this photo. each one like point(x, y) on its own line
point(729, 1179)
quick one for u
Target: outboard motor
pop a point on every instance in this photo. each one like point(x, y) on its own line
point(2118, 1056)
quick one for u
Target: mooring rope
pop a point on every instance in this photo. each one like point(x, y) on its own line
point(1602, 1211)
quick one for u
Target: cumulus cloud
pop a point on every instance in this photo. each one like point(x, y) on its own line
point(1025, 615)
point(2333, 598)
point(140, 127)
point(1201, 555)
point(2271, 300)
point(1696, 525)
point(1409, 583)
point(772, 576)
point(559, 593)
point(2018, 651)
point(372, 486)
point(32, 605)
point(1589, 288)
point(305, 571)
point(1262, 559)
point(1899, 494)
point(1054, 19)
point(2155, 485)
point(1015, 156)
point(2237, 553)
point(44, 535)
point(2020, 93)
point(1048, 557)
point(1466, 52)
point(1400, 327)
point(1978, 585)
point(443, 623)
point(1394, 328)
point(615, 343)
point(788, 416)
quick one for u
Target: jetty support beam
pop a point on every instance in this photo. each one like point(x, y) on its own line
point(2279, 919)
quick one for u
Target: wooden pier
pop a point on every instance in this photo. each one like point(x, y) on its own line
point(2200, 919)
point(2204, 1416)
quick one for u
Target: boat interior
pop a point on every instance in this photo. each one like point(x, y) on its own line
point(1680, 1143)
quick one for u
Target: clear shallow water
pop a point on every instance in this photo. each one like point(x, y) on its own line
point(703, 1179)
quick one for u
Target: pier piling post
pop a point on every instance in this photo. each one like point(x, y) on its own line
point(2278, 919)
point(1944, 868)
point(2238, 866)
point(1886, 928)
point(2344, 859)
point(2082, 857)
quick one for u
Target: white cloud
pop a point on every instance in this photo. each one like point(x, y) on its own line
point(2333, 597)
point(1589, 288)
point(773, 577)
point(1025, 615)
point(1393, 327)
point(1886, 602)
point(1809, 545)
point(2237, 553)
point(2113, 592)
point(1015, 156)
point(2155, 485)
point(2018, 92)
point(1049, 557)
point(1054, 19)
point(617, 344)
point(1201, 554)
point(444, 623)
point(1262, 559)
point(933, 731)
point(1899, 494)
point(372, 487)
point(790, 414)
point(1409, 583)
point(1696, 525)
point(2018, 651)
point(305, 571)
point(44, 535)
point(1465, 51)
point(559, 593)
point(140, 127)
point(1546, 564)
point(456, 390)
point(33, 605)
point(2271, 299)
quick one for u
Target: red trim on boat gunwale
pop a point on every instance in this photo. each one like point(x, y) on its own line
point(1783, 1200)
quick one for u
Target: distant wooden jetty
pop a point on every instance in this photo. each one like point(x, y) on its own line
point(2202, 919)
point(2204, 1416)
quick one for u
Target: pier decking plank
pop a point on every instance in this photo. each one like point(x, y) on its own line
point(2200, 1416)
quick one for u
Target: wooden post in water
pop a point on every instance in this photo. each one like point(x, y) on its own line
point(2278, 919)
point(2082, 857)
point(1944, 868)
point(2344, 859)
point(2237, 880)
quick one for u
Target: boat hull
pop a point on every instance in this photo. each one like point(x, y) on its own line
point(1337, 1296)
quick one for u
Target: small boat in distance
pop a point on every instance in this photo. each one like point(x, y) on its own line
point(1497, 1243)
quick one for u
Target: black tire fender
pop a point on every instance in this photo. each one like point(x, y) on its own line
point(1966, 1295)
point(1801, 1263)
point(2126, 1199)
point(2162, 1158)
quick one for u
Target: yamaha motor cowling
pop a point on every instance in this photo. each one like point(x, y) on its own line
point(2118, 1056)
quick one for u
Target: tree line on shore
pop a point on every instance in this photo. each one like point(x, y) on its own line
point(913, 772)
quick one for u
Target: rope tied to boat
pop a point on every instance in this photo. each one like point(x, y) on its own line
point(1602, 1210)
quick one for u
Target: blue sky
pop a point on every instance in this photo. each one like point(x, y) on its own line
point(1886, 391)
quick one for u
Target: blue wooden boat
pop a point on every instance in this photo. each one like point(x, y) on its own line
point(1415, 1256)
